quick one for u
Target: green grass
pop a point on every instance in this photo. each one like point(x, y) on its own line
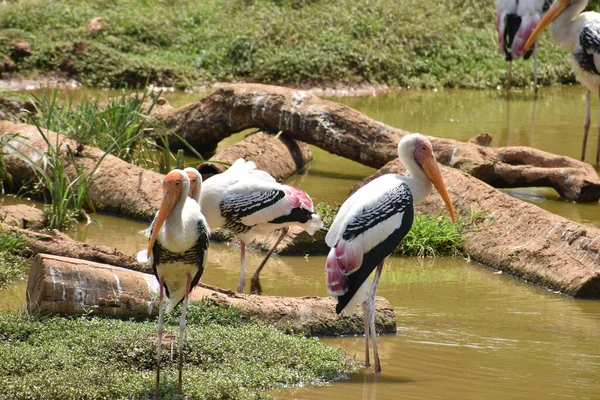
point(415, 43)
point(430, 235)
point(13, 257)
point(94, 358)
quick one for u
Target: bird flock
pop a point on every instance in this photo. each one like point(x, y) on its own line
point(247, 201)
point(371, 222)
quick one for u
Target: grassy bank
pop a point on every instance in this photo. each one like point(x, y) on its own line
point(415, 43)
point(92, 358)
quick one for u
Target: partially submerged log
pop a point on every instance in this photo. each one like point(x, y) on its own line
point(57, 243)
point(71, 286)
point(519, 238)
point(118, 187)
point(346, 132)
point(280, 156)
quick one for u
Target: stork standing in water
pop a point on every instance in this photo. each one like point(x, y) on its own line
point(515, 21)
point(370, 225)
point(578, 32)
point(177, 249)
point(248, 201)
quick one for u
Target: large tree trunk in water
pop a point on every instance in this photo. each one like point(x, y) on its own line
point(134, 192)
point(57, 243)
point(71, 286)
point(517, 237)
point(346, 132)
point(119, 187)
point(280, 156)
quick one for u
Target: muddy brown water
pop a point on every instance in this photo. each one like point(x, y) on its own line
point(464, 331)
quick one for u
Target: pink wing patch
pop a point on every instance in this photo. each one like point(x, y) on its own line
point(298, 198)
point(528, 24)
point(342, 260)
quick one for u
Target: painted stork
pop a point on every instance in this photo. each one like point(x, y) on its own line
point(248, 201)
point(578, 32)
point(515, 21)
point(177, 249)
point(370, 225)
point(195, 178)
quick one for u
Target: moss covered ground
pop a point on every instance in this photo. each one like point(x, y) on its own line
point(185, 43)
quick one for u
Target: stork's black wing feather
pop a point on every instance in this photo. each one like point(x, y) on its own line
point(398, 200)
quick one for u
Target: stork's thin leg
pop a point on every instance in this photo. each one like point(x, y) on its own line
point(535, 64)
point(255, 283)
point(242, 283)
point(372, 315)
point(367, 319)
point(586, 124)
point(159, 334)
point(182, 323)
point(508, 77)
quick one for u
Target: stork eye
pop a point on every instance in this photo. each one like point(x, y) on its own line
point(176, 183)
point(424, 148)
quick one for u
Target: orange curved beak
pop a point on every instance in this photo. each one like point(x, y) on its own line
point(430, 166)
point(171, 192)
point(553, 12)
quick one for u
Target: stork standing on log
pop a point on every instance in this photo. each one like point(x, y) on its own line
point(177, 249)
point(578, 32)
point(515, 21)
point(248, 201)
point(370, 225)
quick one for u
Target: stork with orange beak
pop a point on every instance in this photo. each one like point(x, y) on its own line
point(177, 249)
point(578, 32)
point(370, 225)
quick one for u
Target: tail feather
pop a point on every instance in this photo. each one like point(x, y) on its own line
point(341, 262)
point(314, 224)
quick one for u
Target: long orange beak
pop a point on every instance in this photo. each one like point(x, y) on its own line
point(432, 170)
point(171, 194)
point(553, 12)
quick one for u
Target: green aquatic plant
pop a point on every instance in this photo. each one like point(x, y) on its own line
point(13, 256)
point(98, 358)
point(430, 235)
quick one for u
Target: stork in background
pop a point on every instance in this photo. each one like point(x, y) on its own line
point(177, 249)
point(578, 32)
point(249, 202)
point(370, 225)
point(515, 21)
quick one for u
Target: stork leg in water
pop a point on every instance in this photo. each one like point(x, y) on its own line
point(369, 317)
point(255, 283)
point(242, 283)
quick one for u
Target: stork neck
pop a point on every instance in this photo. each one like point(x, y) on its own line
point(177, 211)
point(563, 30)
point(418, 182)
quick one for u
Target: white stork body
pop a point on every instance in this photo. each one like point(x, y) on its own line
point(578, 33)
point(248, 202)
point(515, 21)
point(177, 249)
point(370, 225)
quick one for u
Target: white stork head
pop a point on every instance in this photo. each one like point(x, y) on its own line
point(416, 153)
point(556, 8)
point(176, 187)
point(195, 183)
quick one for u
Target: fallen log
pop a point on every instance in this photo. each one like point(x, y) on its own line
point(346, 132)
point(118, 187)
point(280, 156)
point(71, 286)
point(517, 237)
point(22, 216)
point(57, 243)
